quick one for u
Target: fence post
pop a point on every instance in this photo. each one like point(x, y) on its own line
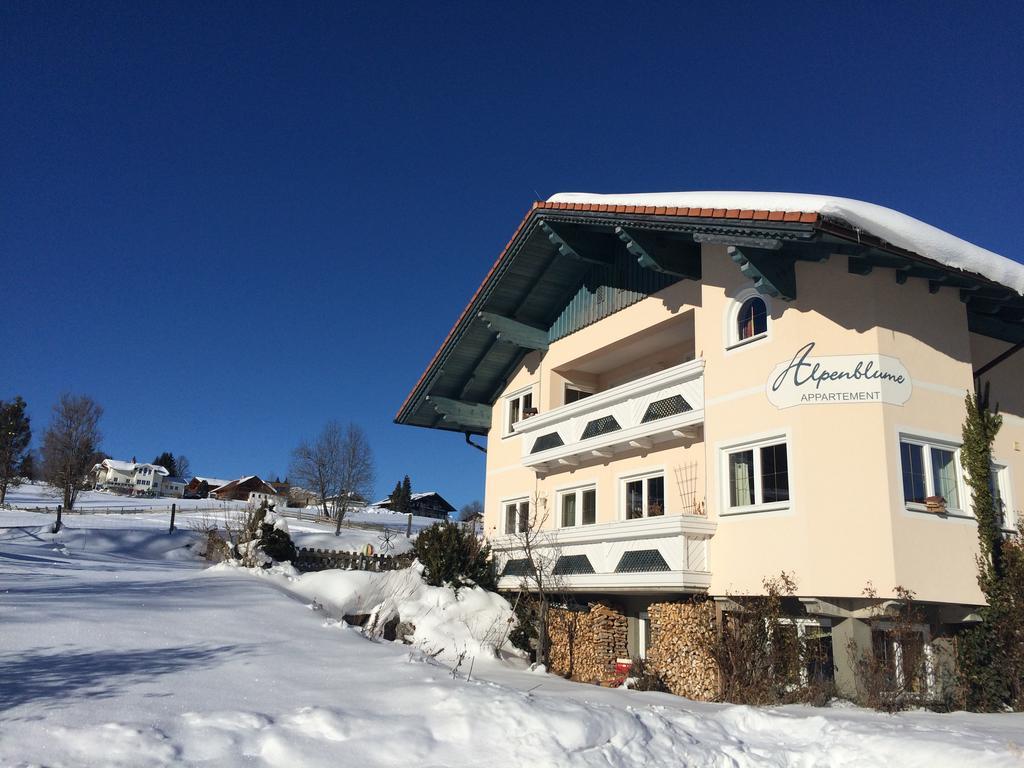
point(408, 525)
point(58, 524)
point(173, 510)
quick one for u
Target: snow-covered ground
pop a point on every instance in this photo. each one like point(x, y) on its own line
point(361, 527)
point(118, 648)
point(33, 495)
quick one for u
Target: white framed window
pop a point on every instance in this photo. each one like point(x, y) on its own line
point(577, 506)
point(516, 515)
point(518, 407)
point(931, 468)
point(748, 319)
point(814, 637)
point(756, 476)
point(643, 495)
point(1000, 485)
point(906, 657)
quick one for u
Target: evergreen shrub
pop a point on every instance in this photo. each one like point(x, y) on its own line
point(453, 555)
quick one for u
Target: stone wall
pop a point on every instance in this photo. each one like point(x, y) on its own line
point(681, 634)
point(585, 644)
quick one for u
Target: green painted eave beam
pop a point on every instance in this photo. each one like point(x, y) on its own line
point(471, 416)
point(676, 258)
point(581, 246)
point(515, 332)
point(772, 271)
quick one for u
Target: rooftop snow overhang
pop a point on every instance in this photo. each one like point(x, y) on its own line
point(558, 243)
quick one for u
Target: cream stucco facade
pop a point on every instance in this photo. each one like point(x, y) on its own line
point(846, 524)
point(662, 455)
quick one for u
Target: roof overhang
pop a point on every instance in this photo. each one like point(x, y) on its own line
point(557, 245)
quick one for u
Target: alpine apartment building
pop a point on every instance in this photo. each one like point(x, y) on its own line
point(692, 392)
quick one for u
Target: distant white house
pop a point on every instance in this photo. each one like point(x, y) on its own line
point(130, 477)
point(173, 486)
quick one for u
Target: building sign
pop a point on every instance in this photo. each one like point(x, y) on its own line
point(807, 380)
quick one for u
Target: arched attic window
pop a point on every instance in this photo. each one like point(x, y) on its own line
point(748, 319)
point(752, 319)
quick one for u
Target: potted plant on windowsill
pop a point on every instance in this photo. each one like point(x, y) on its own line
point(935, 504)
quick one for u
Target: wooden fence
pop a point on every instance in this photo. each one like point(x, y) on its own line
point(115, 510)
point(325, 559)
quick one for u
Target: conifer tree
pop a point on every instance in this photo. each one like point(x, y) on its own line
point(166, 460)
point(406, 494)
point(396, 496)
point(991, 654)
point(15, 435)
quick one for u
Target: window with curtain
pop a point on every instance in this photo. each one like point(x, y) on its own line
point(578, 506)
point(757, 475)
point(517, 516)
point(752, 319)
point(930, 469)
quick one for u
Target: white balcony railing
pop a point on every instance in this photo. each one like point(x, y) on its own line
point(618, 556)
point(663, 406)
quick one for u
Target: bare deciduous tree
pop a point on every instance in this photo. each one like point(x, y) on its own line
point(314, 464)
point(70, 445)
point(355, 471)
point(183, 467)
point(338, 466)
point(534, 543)
point(472, 511)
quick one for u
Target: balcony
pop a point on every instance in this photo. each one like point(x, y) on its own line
point(654, 554)
point(663, 406)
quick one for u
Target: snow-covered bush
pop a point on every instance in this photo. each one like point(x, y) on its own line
point(257, 537)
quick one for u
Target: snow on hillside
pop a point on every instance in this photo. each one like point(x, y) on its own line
point(40, 495)
point(361, 527)
point(118, 648)
point(892, 226)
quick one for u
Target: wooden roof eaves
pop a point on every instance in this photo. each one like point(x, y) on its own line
point(468, 314)
point(755, 223)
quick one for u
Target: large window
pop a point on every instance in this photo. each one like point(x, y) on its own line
point(644, 496)
point(517, 516)
point(518, 407)
point(578, 507)
point(931, 469)
point(757, 475)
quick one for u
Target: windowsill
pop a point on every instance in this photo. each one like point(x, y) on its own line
point(745, 342)
point(756, 509)
point(954, 513)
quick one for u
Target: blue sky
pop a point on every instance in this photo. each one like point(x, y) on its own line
point(229, 223)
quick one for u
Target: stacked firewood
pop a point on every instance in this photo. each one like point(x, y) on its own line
point(681, 637)
point(586, 644)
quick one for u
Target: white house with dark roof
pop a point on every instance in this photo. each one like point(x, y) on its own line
point(130, 477)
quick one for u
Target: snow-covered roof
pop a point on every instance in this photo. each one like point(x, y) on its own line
point(211, 481)
point(120, 466)
point(128, 466)
point(892, 226)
